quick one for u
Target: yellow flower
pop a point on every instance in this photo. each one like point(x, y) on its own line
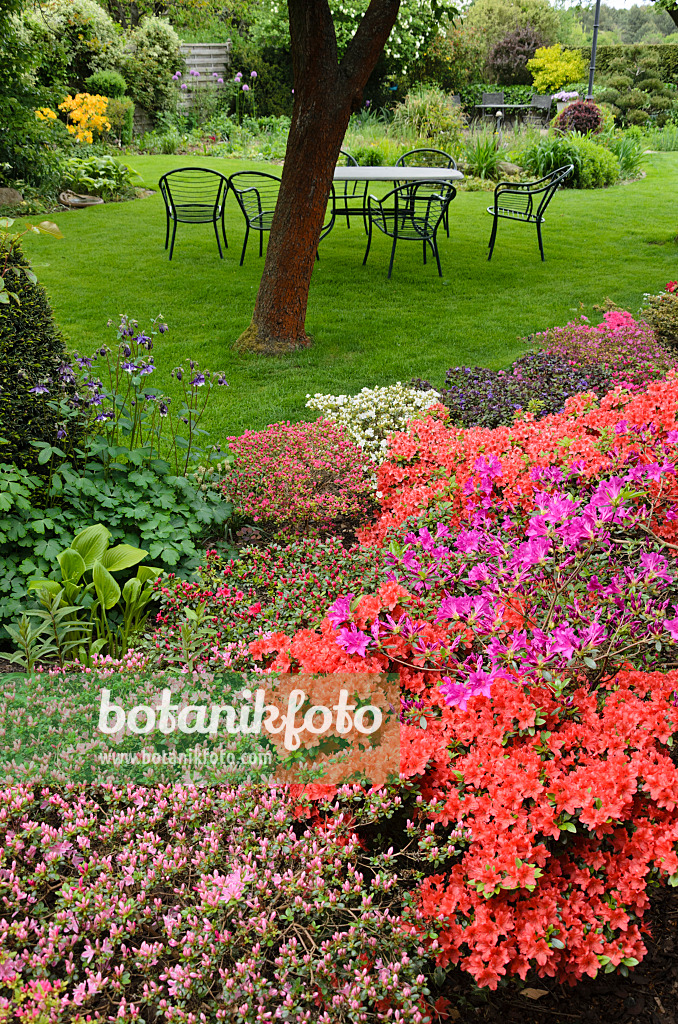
point(87, 114)
point(45, 114)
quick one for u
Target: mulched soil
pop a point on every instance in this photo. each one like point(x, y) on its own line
point(649, 995)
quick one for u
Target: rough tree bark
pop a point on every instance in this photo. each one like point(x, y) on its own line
point(326, 91)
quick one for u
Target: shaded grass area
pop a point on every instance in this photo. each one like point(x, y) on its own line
point(368, 331)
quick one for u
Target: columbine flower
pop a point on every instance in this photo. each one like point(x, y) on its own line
point(162, 327)
point(143, 339)
point(222, 381)
point(38, 390)
point(61, 434)
point(84, 361)
point(130, 367)
point(163, 408)
point(198, 380)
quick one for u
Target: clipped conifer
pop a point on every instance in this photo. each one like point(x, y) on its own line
point(34, 363)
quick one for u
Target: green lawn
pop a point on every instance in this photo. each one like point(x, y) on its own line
point(368, 331)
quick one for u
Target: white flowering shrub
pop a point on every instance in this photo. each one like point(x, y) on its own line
point(419, 21)
point(371, 416)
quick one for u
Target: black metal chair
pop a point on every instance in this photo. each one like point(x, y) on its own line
point(539, 111)
point(412, 212)
point(526, 202)
point(491, 102)
point(257, 195)
point(194, 195)
point(428, 158)
point(349, 201)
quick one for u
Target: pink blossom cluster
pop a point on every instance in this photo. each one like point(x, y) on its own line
point(622, 346)
point(296, 478)
point(186, 905)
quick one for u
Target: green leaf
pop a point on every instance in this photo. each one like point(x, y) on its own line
point(122, 556)
point(45, 455)
point(46, 227)
point(91, 543)
point(106, 587)
point(50, 585)
point(131, 591)
point(147, 572)
point(590, 662)
point(72, 565)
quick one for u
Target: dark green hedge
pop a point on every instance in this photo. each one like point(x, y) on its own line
point(667, 53)
point(32, 351)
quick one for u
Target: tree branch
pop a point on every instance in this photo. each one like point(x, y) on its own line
point(369, 40)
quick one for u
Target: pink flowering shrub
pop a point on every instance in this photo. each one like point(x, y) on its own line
point(203, 905)
point(299, 478)
point(625, 349)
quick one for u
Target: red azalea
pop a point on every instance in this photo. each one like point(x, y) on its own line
point(671, 286)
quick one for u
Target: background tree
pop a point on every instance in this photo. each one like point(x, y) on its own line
point(496, 18)
point(326, 90)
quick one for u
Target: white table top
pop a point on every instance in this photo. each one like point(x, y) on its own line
point(397, 174)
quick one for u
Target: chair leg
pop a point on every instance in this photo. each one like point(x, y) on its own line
point(434, 244)
point(216, 232)
point(223, 229)
point(425, 240)
point(261, 243)
point(541, 246)
point(244, 245)
point(393, 248)
point(369, 241)
point(493, 236)
point(174, 235)
point(167, 222)
point(447, 221)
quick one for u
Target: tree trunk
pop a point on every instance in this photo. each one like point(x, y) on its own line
point(326, 91)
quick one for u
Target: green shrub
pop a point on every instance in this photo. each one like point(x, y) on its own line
point(662, 316)
point(152, 56)
point(106, 83)
point(619, 82)
point(85, 35)
point(594, 166)
point(428, 113)
point(99, 176)
point(120, 113)
point(32, 354)
point(452, 60)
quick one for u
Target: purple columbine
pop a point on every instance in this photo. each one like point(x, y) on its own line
point(163, 408)
point(198, 380)
point(84, 361)
point(130, 367)
point(142, 339)
point(61, 434)
point(222, 381)
point(38, 390)
point(162, 328)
